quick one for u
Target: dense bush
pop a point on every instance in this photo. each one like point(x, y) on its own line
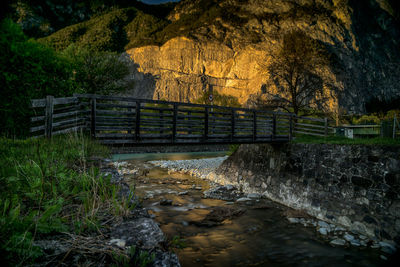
point(98, 72)
point(101, 33)
point(27, 70)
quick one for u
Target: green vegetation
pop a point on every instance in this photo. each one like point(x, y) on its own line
point(31, 70)
point(101, 33)
point(120, 29)
point(346, 141)
point(27, 70)
point(218, 99)
point(46, 189)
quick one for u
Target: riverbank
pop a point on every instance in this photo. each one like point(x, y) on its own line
point(239, 171)
point(63, 204)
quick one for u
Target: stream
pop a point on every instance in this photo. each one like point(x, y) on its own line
point(226, 233)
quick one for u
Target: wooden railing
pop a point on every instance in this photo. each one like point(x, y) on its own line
point(123, 120)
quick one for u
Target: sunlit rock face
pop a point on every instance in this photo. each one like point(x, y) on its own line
point(228, 53)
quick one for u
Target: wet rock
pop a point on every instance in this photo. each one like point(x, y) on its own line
point(338, 242)
point(323, 231)
point(183, 193)
point(229, 187)
point(323, 224)
point(383, 257)
point(254, 196)
point(218, 215)
point(117, 242)
point(243, 199)
point(387, 247)
point(222, 193)
point(165, 202)
point(348, 237)
point(185, 223)
point(355, 243)
point(142, 231)
point(294, 220)
point(165, 259)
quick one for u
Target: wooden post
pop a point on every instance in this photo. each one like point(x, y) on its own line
point(254, 126)
point(273, 126)
point(137, 122)
point(93, 117)
point(290, 127)
point(233, 125)
point(394, 126)
point(190, 126)
point(129, 130)
point(49, 116)
point(174, 123)
point(206, 115)
point(326, 126)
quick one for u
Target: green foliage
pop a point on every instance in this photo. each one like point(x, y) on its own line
point(218, 99)
point(97, 72)
point(177, 242)
point(295, 73)
point(135, 257)
point(45, 189)
point(233, 148)
point(27, 70)
point(346, 141)
point(102, 33)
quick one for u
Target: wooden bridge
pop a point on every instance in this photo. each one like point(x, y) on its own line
point(117, 120)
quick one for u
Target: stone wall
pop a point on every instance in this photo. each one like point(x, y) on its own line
point(353, 186)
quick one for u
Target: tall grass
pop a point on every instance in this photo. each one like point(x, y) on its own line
point(346, 141)
point(49, 187)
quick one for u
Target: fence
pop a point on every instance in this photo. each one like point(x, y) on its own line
point(124, 120)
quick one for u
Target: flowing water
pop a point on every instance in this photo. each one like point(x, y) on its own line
point(258, 235)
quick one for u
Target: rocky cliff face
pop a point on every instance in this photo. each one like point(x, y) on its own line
point(225, 48)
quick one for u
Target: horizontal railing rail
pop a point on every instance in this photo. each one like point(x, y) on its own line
point(117, 120)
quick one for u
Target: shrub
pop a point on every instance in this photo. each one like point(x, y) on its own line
point(27, 70)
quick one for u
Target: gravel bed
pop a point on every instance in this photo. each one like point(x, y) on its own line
point(196, 167)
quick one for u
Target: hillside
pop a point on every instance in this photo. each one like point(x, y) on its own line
point(218, 45)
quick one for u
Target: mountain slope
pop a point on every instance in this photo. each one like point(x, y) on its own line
point(224, 46)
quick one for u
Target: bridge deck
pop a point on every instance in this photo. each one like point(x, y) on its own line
point(115, 120)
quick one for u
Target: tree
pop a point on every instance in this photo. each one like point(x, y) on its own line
point(297, 73)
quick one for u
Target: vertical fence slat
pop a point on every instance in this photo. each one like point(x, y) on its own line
point(290, 127)
point(49, 116)
point(233, 125)
point(273, 126)
point(206, 115)
point(93, 117)
point(174, 123)
point(254, 126)
point(326, 126)
point(137, 122)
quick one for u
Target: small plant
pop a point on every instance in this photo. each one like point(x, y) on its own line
point(177, 242)
point(134, 257)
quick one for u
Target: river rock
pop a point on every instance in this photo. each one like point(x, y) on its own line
point(183, 193)
point(254, 196)
point(293, 220)
point(243, 199)
point(323, 231)
point(118, 242)
point(165, 259)
point(143, 231)
point(165, 202)
point(348, 237)
point(323, 224)
point(387, 247)
point(338, 242)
